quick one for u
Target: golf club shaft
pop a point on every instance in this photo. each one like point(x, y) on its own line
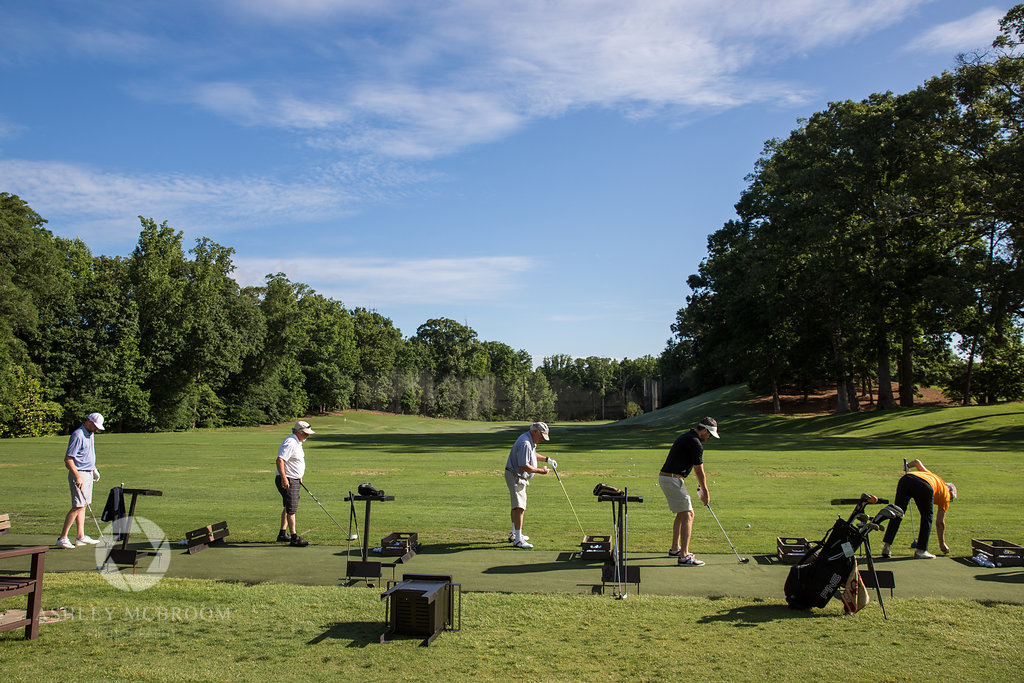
point(96, 523)
point(568, 499)
point(723, 532)
point(322, 507)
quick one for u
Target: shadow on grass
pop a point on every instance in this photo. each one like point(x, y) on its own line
point(358, 633)
point(1016, 576)
point(817, 434)
point(751, 615)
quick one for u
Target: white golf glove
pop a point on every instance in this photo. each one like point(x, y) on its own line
point(552, 463)
point(95, 475)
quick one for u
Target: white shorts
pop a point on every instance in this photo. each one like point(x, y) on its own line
point(675, 492)
point(80, 497)
point(517, 489)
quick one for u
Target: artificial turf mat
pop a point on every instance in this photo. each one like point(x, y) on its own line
point(503, 569)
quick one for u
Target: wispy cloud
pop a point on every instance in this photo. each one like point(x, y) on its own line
point(372, 282)
point(97, 202)
point(974, 32)
point(494, 67)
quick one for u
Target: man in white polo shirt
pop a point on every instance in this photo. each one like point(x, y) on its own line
point(291, 465)
point(80, 460)
point(519, 469)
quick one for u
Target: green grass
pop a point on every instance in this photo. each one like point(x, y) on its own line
point(201, 630)
point(776, 474)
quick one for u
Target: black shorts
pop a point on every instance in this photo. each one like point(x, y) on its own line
point(290, 495)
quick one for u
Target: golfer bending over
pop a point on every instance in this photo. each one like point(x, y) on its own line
point(927, 490)
point(291, 465)
point(519, 469)
point(686, 455)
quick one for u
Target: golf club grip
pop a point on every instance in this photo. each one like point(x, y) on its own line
point(855, 501)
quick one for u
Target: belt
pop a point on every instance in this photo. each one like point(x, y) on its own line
point(667, 474)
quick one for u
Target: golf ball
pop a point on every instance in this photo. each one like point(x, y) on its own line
point(748, 526)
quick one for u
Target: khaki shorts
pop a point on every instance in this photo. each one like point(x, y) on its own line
point(80, 497)
point(674, 489)
point(516, 489)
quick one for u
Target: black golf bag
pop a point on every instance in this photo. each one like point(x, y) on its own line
point(821, 572)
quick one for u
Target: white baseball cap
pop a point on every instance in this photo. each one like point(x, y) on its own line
point(96, 419)
point(302, 426)
point(542, 428)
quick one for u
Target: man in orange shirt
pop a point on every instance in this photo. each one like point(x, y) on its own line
point(927, 491)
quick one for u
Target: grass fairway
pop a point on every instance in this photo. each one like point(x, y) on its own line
point(774, 474)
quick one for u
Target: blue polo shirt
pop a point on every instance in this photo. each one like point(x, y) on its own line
point(81, 451)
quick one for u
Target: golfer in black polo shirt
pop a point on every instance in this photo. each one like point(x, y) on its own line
point(685, 456)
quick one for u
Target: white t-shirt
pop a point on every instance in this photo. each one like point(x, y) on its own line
point(293, 457)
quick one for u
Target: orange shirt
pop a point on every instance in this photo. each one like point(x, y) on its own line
point(938, 486)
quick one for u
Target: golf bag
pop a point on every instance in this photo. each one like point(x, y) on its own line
point(824, 569)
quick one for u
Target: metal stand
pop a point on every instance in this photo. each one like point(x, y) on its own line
point(617, 570)
point(123, 555)
point(364, 569)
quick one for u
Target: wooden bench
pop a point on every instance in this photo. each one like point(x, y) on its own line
point(5, 523)
point(203, 537)
point(20, 585)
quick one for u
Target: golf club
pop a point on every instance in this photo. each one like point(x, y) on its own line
point(322, 507)
point(743, 560)
point(97, 524)
point(555, 470)
point(620, 555)
point(352, 518)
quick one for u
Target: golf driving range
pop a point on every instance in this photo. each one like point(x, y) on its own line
point(250, 608)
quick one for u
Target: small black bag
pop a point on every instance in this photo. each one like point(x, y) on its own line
point(370, 491)
point(606, 490)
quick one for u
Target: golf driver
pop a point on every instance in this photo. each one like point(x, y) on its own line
point(322, 507)
point(743, 560)
point(555, 470)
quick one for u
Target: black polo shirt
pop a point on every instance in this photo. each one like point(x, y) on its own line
point(687, 451)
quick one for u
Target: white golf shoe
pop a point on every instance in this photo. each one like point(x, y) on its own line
point(65, 542)
point(512, 537)
point(85, 540)
point(523, 544)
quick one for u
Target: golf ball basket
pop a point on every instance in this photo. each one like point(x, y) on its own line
point(596, 548)
point(998, 551)
point(791, 549)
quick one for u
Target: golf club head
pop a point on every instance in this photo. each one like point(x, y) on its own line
point(861, 517)
point(353, 537)
point(744, 560)
point(888, 512)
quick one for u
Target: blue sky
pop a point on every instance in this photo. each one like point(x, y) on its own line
point(545, 172)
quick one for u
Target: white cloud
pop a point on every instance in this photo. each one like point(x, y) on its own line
point(103, 207)
point(974, 32)
point(464, 73)
point(373, 282)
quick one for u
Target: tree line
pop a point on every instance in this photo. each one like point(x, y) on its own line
point(165, 339)
point(879, 244)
